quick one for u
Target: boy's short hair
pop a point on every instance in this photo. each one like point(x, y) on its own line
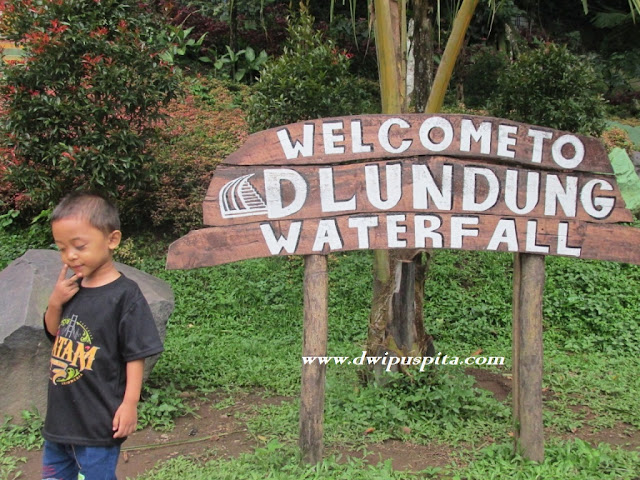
point(93, 207)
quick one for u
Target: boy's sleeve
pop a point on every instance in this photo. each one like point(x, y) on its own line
point(138, 334)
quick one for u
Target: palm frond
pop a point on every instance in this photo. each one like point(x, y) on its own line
point(611, 19)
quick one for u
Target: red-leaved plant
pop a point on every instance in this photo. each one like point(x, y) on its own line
point(80, 109)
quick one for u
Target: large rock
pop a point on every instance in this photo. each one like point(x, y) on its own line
point(627, 179)
point(25, 286)
point(635, 159)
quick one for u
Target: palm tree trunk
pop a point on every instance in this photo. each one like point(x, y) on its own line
point(396, 323)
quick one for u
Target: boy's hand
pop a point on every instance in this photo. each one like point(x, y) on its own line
point(64, 289)
point(125, 421)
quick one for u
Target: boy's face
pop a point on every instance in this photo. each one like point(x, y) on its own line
point(86, 249)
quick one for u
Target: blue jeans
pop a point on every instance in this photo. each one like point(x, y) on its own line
point(61, 461)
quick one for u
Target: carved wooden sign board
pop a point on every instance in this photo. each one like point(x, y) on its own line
point(411, 181)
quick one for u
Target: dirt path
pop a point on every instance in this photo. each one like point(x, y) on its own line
point(220, 433)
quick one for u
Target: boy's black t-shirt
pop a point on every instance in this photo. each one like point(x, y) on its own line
point(101, 330)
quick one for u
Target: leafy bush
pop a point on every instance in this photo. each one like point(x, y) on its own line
point(617, 137)
point(481, 75)
point(551, 86)
point(211, 19)
point(204, 127)
point(81, 108)
point(310, 80)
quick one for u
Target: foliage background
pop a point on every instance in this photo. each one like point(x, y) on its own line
point(223, 332)
point(79, 109)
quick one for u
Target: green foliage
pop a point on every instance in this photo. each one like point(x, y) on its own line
point(276, 460)
point(310, 80)
point(434, 406)
point(23, 434)
point(205, 126)
point(552, 87)
point(7, 219)
point(615, 137)
point(588, 306)
point(241, 66)
point(228, 334)
point(160, 406)
point(481, 76)
point(178, 44)
point(591, 389)
point(82, 106)
point(14, 242)
point(221, 333)
point(572, 460)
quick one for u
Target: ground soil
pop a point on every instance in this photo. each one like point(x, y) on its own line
point(219, 433)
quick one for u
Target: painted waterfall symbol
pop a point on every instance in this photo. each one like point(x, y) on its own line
point(70, 330)
point(238, 198)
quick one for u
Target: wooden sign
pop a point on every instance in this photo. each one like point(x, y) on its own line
point(412, 181)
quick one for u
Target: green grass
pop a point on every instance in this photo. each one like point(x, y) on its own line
point(239, 327)
point(18, 433)
point(276, 461)
point(573, 460)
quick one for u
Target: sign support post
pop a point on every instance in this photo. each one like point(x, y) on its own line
point(314, 343)
point(528, 288)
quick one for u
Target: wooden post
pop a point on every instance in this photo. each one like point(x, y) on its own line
point(314, 343)
point(515, 348)
point(529, 275)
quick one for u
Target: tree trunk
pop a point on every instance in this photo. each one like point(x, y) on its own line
point(423, 50)
point(396, 323)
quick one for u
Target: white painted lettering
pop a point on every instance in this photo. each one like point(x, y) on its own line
point(363, 224)
point(469, 186)
point(292, 150)
point(383, 135)
point(558, 155)
point(505, 232)
point(330, 138)
point(555, 193)
point(328, 202)
point(458, 231)
point(538, 142)
point(481, 134)
point(425, 133)
point(424, 186)
point(393, 172)
point(563, 241)
point(532, 232)
point(273, 179)
point(356, 138)
point(393, 229)
point(422, 232)
point(597, 207)
point(288, 243)
point(511, 191)
point(327, 234)
point(505, 140)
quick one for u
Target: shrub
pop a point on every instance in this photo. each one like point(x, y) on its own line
point(552, 87)
point(203, 128)
point(481, 76)
point(81, 108)
point(211, 19)
point(310, 80)
point(617, 138)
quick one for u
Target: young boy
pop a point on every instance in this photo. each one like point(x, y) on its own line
point(102, 330)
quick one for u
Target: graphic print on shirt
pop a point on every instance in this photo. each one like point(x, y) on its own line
point(72, 352)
